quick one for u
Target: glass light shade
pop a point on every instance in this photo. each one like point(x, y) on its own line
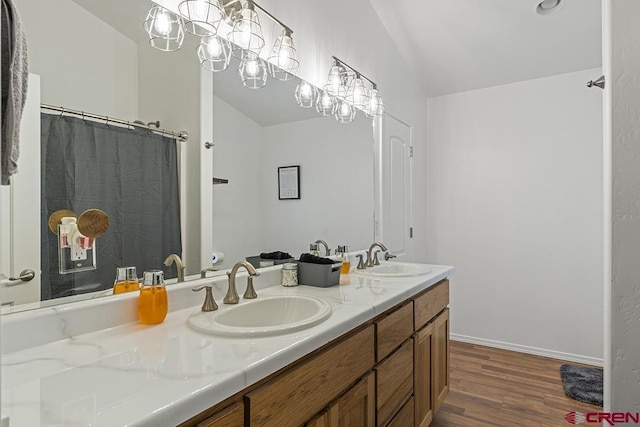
point(164, 29)
point(200, 17)
point(283, 63)
point(306, 94)
point(345, 112)
point(375, 106)
point(325, 104)
point(358, 95)
point(214, 53)
point(337, 81)
point(247, 32)
point(252, 70)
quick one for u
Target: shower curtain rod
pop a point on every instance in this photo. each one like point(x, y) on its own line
point(181, 136)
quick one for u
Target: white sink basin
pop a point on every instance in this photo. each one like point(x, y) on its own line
point(263, 316)
point(395, 269)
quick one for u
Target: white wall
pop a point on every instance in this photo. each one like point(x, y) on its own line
point(515, 203)
point(336, 185)
point(84, 63)
point(622, 295)
point(237, 156)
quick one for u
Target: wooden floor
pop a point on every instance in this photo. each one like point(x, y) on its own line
point(492, 387)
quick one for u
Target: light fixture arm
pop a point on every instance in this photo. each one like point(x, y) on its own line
point(287, 30)
point(358, 73)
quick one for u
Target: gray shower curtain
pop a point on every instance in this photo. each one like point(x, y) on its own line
point(132, 175)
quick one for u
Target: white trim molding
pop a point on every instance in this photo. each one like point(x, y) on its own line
point(528, 350)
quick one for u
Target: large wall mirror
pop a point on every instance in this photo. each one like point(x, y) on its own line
point(94, 56)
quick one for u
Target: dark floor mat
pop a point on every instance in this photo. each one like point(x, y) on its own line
point(582, 383)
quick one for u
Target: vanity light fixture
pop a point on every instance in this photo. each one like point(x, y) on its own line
point(345, 112)
point(349, 87)
point(200, 17)
point(164, 29)
point(252, 70)
point(357, 94)
point(305, 94)
point(247, 32)
point(325, 104)
point(337, 81)
point(283, 62)
point(375, 106)
point(214, 53)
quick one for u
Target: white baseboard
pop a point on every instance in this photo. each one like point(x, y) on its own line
point(529, 350)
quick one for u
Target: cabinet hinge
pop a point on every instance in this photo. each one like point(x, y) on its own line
point(411, 151)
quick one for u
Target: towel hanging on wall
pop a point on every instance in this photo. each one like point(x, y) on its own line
point(15, 74)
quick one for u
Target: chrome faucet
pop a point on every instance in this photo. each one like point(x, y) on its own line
point(372, 258)
point(232, 294)
point(175, 258)
point(327, 251)
point(203, 272)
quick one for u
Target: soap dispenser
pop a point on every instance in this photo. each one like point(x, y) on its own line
point(126, 280)
point(152, 303)
point(313, 249)
point(343, 253)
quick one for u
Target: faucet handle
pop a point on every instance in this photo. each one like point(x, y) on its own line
point(250, 292)
point(361, 265)
point(209, 303)
point(388, 256)
point(375, 258)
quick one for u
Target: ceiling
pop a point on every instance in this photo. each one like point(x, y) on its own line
point(459, 45)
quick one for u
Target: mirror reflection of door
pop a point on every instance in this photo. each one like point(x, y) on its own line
point(396, 153)
point(20, 210)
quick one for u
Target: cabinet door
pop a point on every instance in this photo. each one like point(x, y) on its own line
point(233, 416)
point(440, 359)
point(423, 349)
point(356, 408)
point(394, 378)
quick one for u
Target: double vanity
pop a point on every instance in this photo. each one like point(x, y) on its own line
point(373, 350)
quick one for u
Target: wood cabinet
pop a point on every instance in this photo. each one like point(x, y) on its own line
point(440, 359)
point(405, 417)
point(423, 349)
point(233, 416)
point(392, 371)
point(298, 394)
point(356, 408)
point(394, 381)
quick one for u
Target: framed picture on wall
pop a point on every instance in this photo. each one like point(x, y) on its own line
point(289, 182)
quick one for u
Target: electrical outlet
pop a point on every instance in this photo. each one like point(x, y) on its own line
point(78, 254)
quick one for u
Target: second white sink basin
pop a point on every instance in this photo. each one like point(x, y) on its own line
point(263, 316)
point(396, 269)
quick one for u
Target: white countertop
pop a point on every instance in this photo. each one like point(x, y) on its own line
point(162, 375)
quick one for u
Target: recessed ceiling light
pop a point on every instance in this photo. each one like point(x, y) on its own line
point(547, 7)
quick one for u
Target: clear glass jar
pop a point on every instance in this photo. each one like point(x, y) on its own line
point(126, 280)
point(290, 274)
point(152, 303)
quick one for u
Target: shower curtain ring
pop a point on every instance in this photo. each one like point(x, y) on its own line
point(61, 111)
point(107, 121)
point(82, 115)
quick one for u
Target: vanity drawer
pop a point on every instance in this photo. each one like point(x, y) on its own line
point(302, 391)
point(394, 382)
point(405, 417)
point(393, 329)
point(430, 303)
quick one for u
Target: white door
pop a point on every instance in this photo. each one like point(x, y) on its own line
point(393, 219)
point(20, 210)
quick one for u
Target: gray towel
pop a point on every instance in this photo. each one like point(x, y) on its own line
point(14, 65)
